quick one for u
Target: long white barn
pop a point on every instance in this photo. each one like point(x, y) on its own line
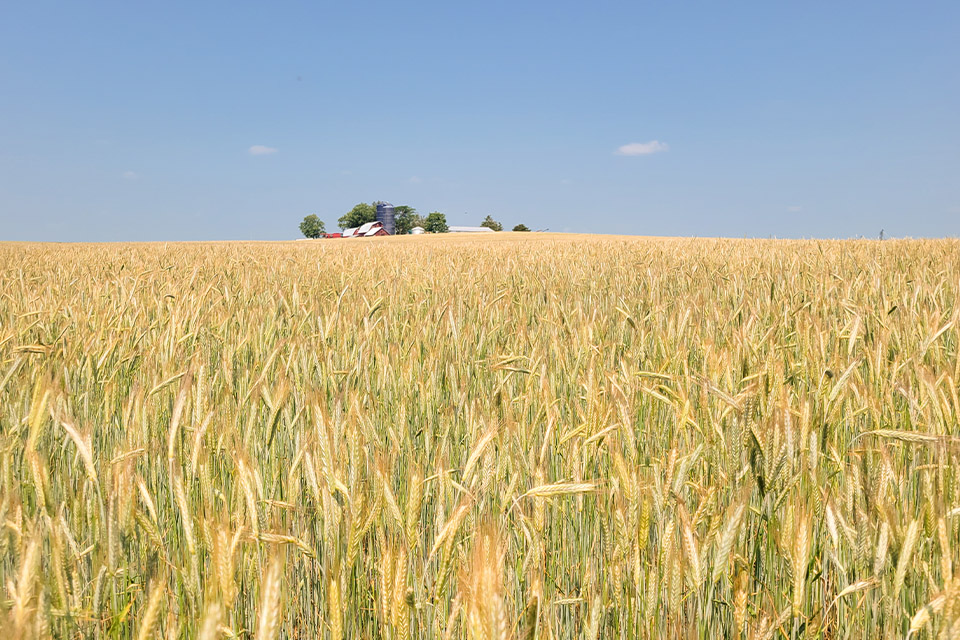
point(470, 230)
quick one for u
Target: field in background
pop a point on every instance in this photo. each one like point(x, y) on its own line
point(524, 436)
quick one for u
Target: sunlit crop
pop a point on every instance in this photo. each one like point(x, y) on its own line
point(526, 436)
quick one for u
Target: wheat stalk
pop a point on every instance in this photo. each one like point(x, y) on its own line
point(268, 626)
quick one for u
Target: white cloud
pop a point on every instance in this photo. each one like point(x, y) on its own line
point(130, 175)
point(642, 148)
point(795, 209)
point(415, 180)
point(260, 150)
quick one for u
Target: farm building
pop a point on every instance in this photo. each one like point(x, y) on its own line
point(417, 231)
point(470, 230)
point(386, 217)
point(367, 230)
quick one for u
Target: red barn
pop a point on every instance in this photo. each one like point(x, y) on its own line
point(367, 230)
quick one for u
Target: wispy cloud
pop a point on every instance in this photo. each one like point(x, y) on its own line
point(795, 209)
point(260, 150)
point(130, 175)
point(415, 180)
point(642, 148)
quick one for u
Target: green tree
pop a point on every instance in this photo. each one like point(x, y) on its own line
point(312, 227)
point(406, 218)
point(521, 227)
point(360, 214)
point(489, 222)
point(436, 222)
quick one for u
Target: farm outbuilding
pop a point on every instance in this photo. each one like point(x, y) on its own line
point(367, 230)
point(470, 230)
point(386, 217)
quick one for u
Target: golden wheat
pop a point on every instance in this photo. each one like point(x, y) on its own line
point(527, 436)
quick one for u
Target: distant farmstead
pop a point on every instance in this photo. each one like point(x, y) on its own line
point(470, 230)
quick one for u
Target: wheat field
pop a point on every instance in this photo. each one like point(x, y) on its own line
point(529, 436)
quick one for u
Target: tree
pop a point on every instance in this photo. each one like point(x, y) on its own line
point(521, 227)
point(360, 214)
point(436, 222)
point(312, 227)
point(491, 223)
point(406, 218)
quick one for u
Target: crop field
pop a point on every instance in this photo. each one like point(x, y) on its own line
point(527, 436)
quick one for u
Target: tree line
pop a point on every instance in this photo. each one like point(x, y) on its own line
point(406, 219)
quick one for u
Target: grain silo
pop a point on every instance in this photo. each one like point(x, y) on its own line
point(386, 218)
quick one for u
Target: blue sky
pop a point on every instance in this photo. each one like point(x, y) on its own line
point(140, 121)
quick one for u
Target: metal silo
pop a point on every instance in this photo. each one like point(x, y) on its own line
point(386, 218)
